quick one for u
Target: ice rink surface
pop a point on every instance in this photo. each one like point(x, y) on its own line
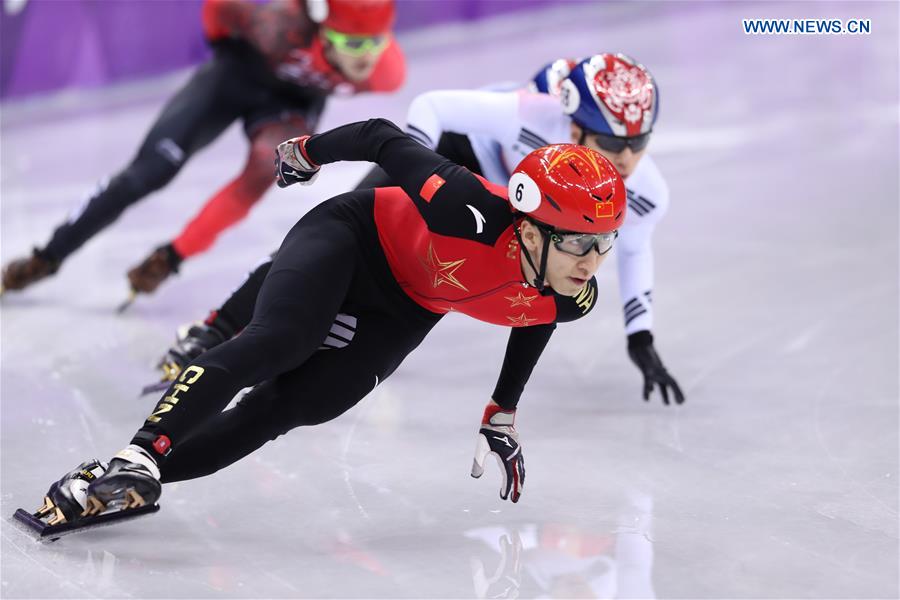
point(776, 307)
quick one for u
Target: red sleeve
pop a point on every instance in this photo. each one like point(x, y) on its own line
point(390, 72)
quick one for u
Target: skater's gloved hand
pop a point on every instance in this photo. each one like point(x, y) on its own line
point(498, 436)
point(190, 342)
point(292, 164)
point(644, 356)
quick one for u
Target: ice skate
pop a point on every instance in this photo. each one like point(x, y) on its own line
point(64, 506)
point(153, 270)
point(23, 272)
point(147, 276)
point(191, 340)
point(131, 482)
point(66, 499)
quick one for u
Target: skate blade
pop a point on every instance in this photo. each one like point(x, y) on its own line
point(170, 373)
point(159, 386)
point(94, 507)
point(49, 509)
point(132, 296)
point(170, 370)
point(134, 500)
point(44, 532)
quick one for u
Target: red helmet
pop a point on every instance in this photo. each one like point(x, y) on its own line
point(354, 17)
point(570, 188)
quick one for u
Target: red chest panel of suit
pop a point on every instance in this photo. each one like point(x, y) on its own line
point(447, 273)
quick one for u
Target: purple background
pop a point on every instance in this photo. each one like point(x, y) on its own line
point(54, 44)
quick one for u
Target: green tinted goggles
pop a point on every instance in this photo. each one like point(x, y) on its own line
point(355, 45)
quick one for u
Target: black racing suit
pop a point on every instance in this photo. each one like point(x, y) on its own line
point(330, 286)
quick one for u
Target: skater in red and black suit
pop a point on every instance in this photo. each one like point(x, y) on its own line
point(273, 67)
point(359, 282)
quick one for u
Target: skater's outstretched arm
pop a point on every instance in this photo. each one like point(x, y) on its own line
point(444, 192)
point(635, 264)
point(497, 434)
point(526, 344)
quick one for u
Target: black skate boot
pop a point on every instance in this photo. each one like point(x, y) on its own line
point(67, 498)
point(68, 505)
point(192, 340)
point(22, 272)
point(155, 269)
point(132, 481)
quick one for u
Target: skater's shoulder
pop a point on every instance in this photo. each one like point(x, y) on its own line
point(543, 116)
point(571, 308)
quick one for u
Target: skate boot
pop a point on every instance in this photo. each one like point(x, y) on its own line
point(67, 498)
point(70, 508)
point(155, 269)
point(132, 481)
point(22, 272)
point(192, 340)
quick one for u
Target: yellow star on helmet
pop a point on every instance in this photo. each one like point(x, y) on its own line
point(442, 271)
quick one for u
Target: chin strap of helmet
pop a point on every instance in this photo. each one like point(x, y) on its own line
point(539, 278)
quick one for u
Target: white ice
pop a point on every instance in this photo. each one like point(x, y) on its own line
point(777, 309)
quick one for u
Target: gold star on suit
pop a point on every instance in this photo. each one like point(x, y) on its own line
point(520, 299)
point(442, 271)
point(520, 321)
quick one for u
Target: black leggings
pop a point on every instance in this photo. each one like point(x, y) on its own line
point(329, 284)
point(232, 85)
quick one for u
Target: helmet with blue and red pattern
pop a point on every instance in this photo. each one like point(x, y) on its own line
point(549, 79)
point(611, 94)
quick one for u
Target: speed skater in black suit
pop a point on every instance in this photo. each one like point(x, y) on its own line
point(356, 285)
